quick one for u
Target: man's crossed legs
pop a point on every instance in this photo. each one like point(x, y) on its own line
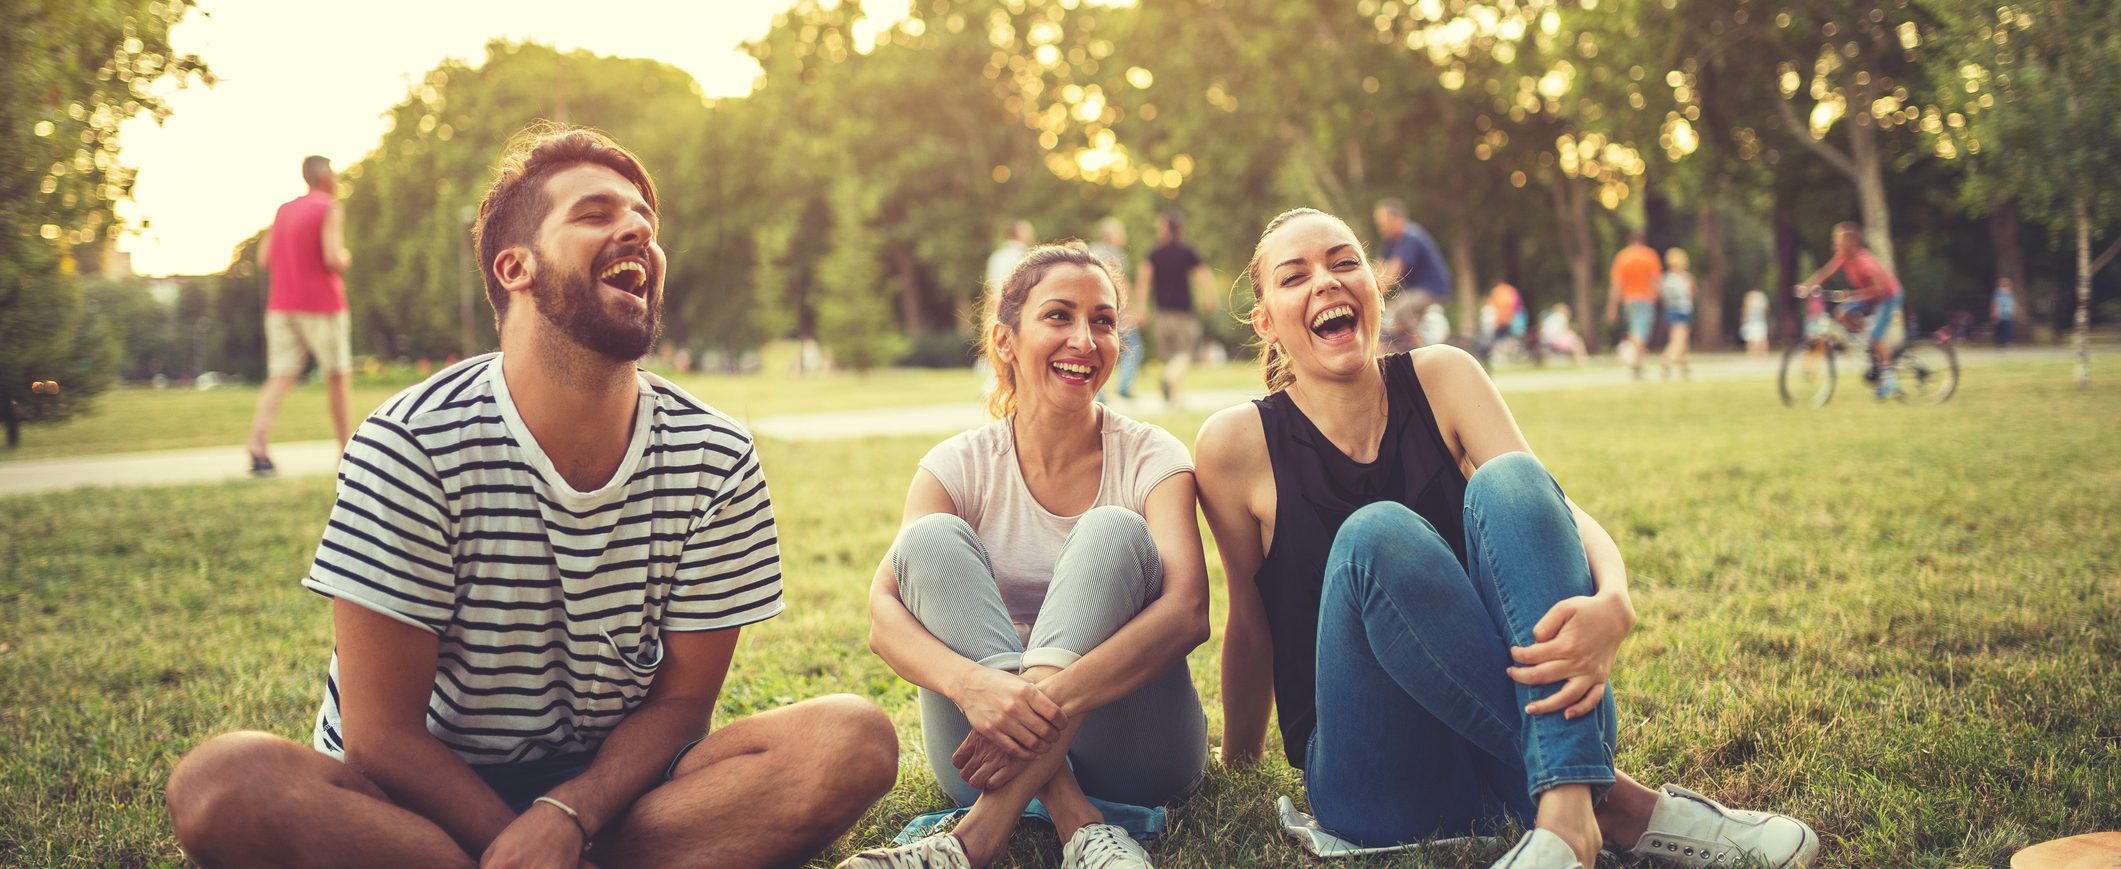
point(768, 790)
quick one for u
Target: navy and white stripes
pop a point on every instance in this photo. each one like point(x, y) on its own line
point(547, 603)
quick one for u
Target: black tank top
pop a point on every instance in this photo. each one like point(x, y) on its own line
point(1316, 488)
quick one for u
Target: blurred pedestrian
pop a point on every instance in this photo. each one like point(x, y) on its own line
point(2003, 308)
point(1004, 258)
point(305, 308)
point(1111, 246)
point(1752, 323)
point(1677, 290)
point(1559, 334)
point(1635, 273)
point(1172, 276)
point(1502, 324)
point(1412, 265)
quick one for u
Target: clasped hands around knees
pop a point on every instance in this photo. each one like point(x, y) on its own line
point(1575, 643)
point(1013, 723)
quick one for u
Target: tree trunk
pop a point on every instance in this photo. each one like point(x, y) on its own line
point(2010, 258)
point(1789, 315)
point(1572, 205)
point(14, 424)
point(1462, 282)
point(1463, 287)
point(1708, 286)
point(2080, 335)
point(1870, 189)
point(911, 308)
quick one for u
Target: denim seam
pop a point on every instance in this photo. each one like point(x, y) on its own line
point(1435, 662)
point(1535, 751)
point(1573, 775)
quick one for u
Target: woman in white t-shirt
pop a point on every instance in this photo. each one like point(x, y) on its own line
point(1046, 586)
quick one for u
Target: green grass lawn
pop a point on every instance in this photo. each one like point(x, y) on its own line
point(134, 419)
point(1898, 623)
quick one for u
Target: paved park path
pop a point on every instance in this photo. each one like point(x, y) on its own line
point(313, 458)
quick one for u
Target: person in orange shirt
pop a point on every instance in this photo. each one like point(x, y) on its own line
point(1636, 270)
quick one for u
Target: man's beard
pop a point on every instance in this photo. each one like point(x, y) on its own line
point(573, 302)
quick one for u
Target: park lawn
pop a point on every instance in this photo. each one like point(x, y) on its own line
point(135, 419)
point(1896, 622)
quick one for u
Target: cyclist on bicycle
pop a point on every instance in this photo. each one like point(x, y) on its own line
point(1873, 291)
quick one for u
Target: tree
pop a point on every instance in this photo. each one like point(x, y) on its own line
point(1848, 63)
point(70, 73)
point(409, 201)
point(2032, 101)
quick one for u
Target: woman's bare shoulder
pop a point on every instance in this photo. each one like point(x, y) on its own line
point(1231, 442)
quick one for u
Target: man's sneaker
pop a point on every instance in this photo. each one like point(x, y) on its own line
point(1539, 849)
point(940, 851)
point(1689, 829)
point(261, 466)
point(1889, 387)
point(1103, 846)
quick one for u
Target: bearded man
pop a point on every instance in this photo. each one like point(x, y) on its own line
point(538, 562)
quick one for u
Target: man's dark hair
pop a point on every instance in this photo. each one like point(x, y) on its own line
point(517, 201)
point(1176, 223)
point(1392, 205)
point(316, 170)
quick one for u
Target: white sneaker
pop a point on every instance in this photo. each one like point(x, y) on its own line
point(940, 851)
point(1689, 829)
point(1103, 846)
point(1539, 849)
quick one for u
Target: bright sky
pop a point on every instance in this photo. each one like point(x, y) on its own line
point(300, 77)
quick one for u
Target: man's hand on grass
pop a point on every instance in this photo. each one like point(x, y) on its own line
point(1577, 641)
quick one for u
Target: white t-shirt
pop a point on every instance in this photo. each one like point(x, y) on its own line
point(979, 470)
point(548, 603)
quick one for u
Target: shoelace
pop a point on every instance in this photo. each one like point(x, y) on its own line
point(1103, 848)
point(926, 857)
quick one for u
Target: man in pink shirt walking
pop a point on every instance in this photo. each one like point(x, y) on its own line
point(305, 314)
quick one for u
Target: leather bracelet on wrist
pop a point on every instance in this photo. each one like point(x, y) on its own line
point(571, 814)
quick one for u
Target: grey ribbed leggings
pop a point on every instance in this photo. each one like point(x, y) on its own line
point(1147, 748)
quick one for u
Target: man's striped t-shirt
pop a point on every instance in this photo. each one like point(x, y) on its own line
point(548, 603)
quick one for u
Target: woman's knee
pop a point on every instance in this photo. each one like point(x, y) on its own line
point(933, 541)
point(1386, 528)
point(1120, 541)
point(1115, 527)
point(1386, 542)
point(1512, 473)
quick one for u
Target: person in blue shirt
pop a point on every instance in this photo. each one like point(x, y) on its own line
point(1411, 263)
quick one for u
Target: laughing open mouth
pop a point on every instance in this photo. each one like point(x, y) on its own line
point(628, 276)
point(1073, 372)
point(1334, 322)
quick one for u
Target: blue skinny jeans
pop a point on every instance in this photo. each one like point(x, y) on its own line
point(1421, 732)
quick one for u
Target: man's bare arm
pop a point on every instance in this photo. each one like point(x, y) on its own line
point(386, 677)
point(336, 256)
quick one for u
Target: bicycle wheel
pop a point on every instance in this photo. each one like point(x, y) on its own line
point(1807, 373)
point(1928, 370)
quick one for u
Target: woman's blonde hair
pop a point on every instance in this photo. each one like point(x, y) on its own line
point(1005, 306)
point(1274, 365)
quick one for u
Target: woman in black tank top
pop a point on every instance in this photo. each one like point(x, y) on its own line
point(1433, 619)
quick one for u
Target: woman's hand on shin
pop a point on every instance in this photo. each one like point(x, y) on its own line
point(984, 765)
point(1576, 643)
point(1009, 710)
